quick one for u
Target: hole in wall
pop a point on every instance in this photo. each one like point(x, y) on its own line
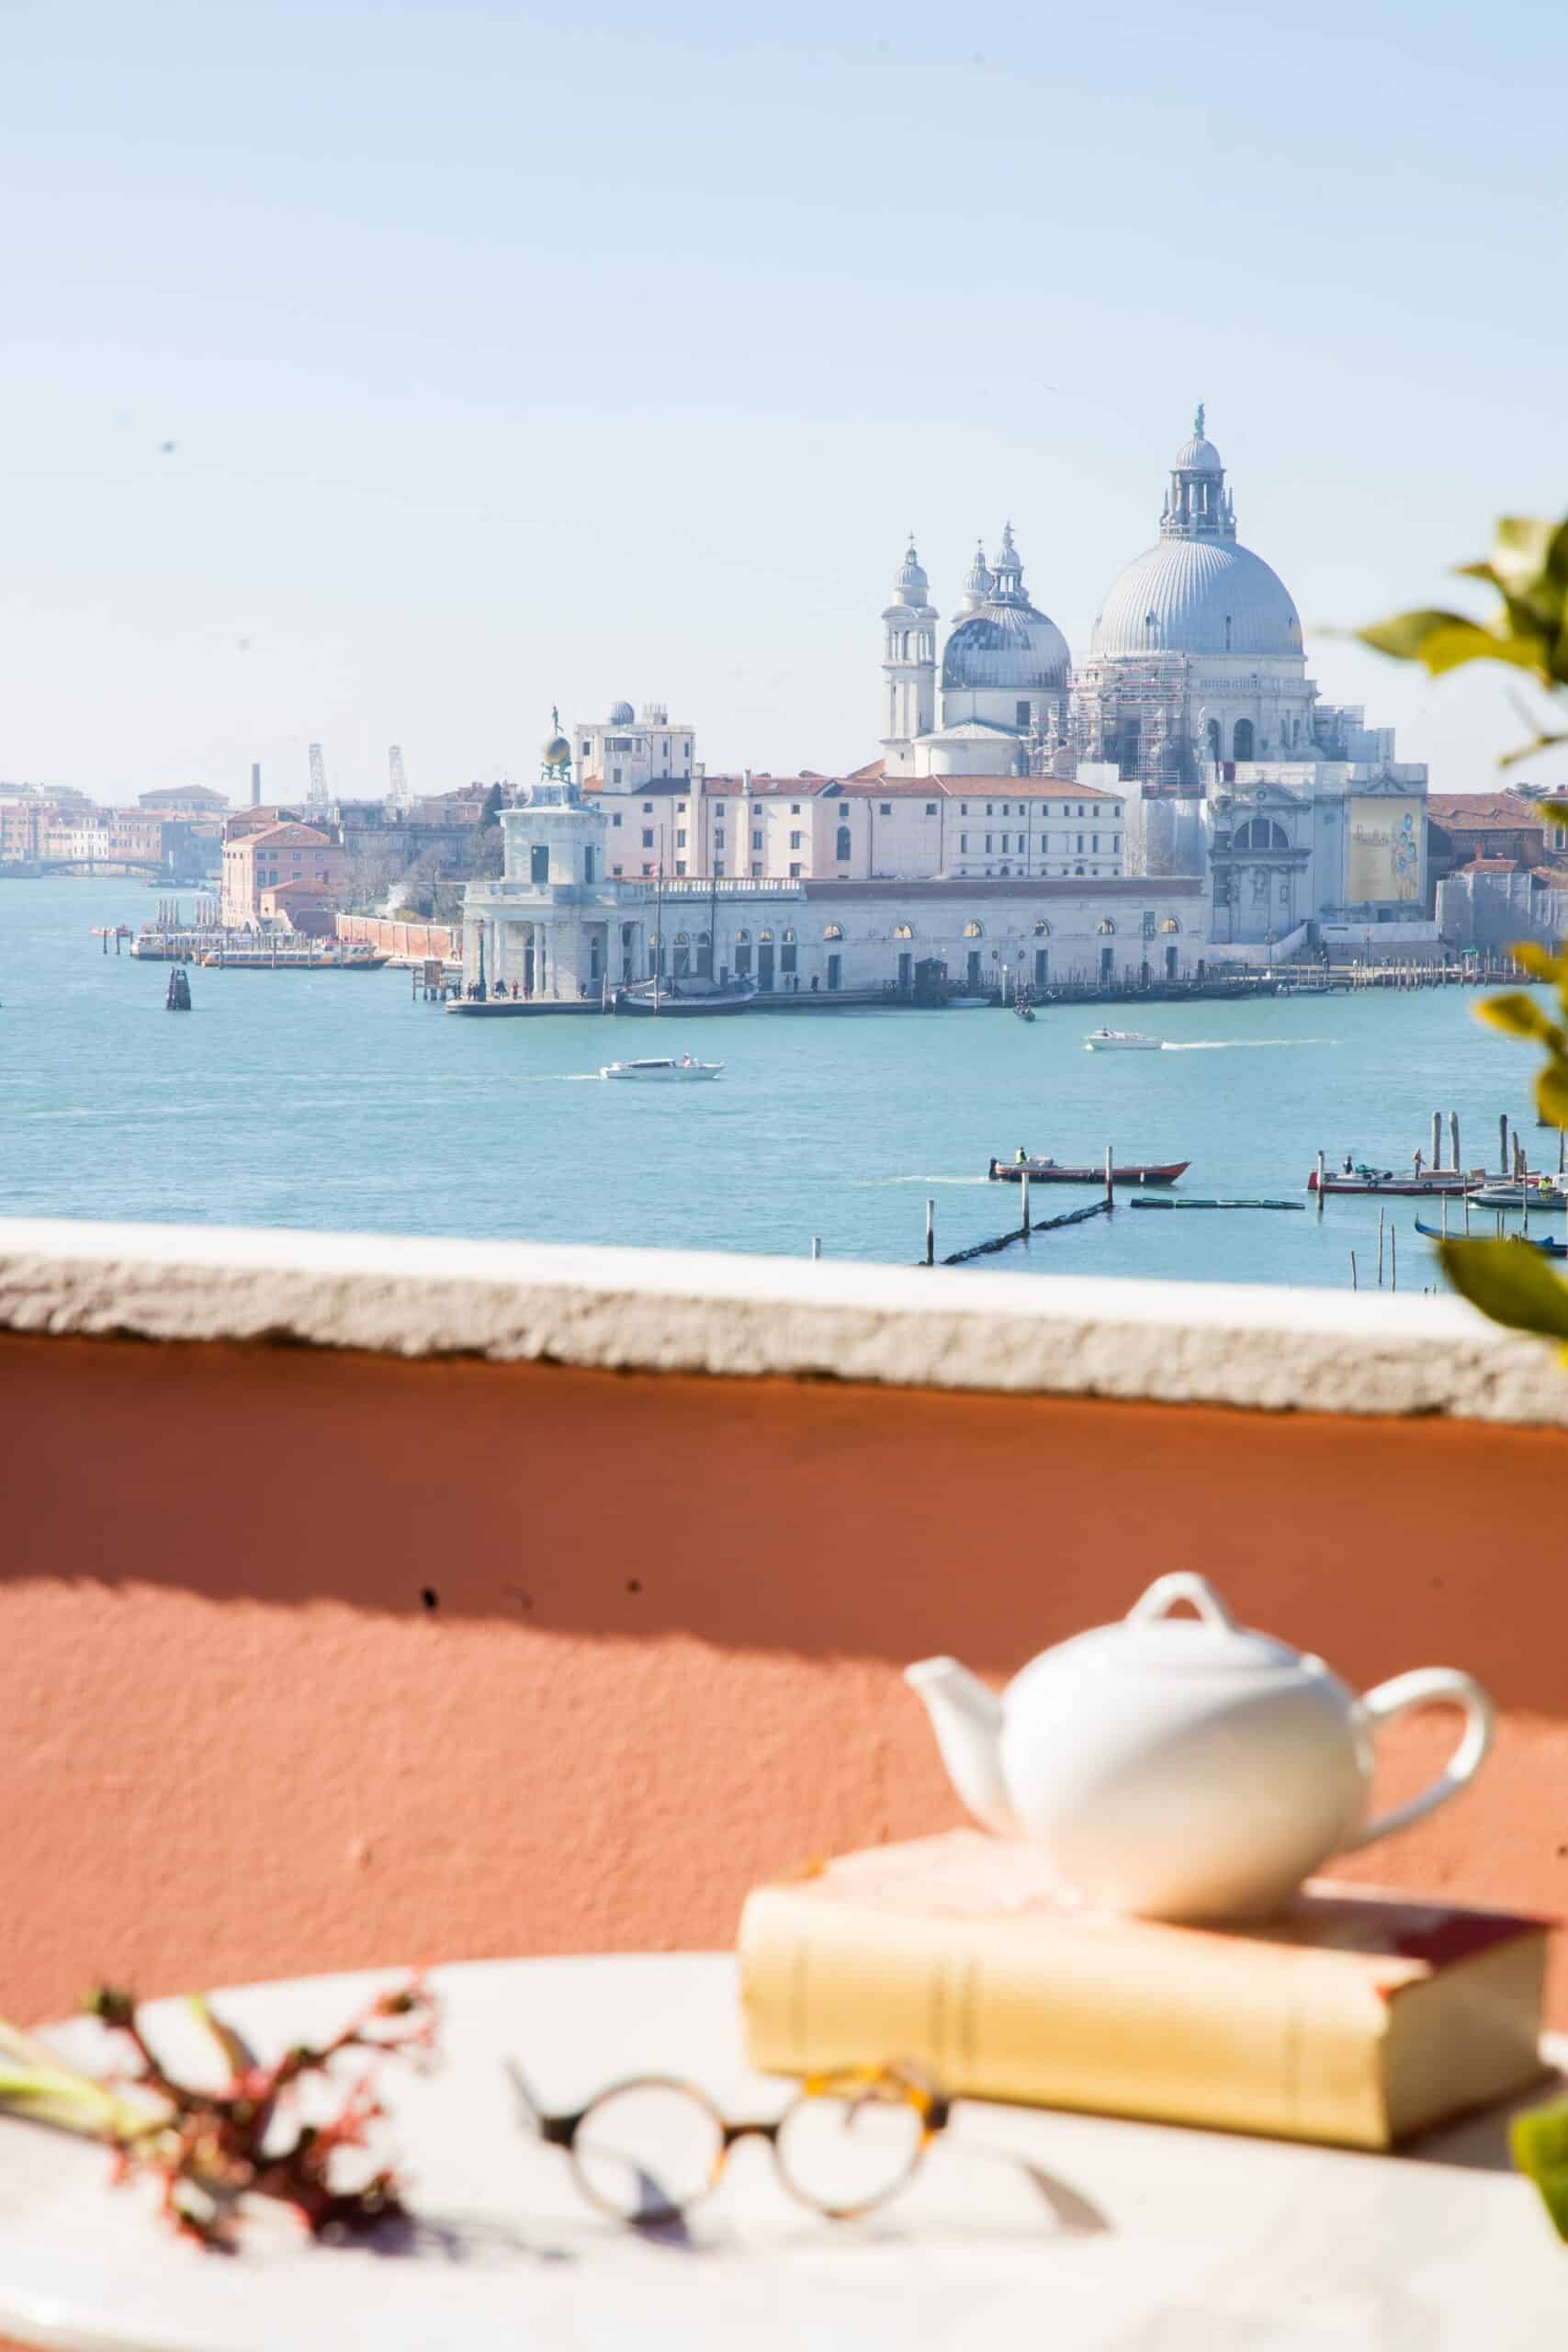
point(429, 1598)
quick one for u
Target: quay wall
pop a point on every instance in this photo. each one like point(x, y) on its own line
point(402, 939)
point(511, 1661)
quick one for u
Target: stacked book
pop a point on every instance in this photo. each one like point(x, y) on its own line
point(1356, 2019)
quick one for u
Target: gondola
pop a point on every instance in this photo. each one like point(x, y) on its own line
point(1548, 1248)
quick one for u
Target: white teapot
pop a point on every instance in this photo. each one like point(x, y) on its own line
point(1183, 1768)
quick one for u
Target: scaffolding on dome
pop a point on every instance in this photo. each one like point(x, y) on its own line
point(1134, 713)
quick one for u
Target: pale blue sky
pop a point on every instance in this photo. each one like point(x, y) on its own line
point(524, 354)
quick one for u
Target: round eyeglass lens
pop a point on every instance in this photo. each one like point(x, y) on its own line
point(648, 2151)
point(846, 2152)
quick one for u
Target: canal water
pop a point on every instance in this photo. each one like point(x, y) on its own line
point(335, 1101)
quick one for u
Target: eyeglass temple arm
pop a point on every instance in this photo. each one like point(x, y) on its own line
point(558, 2130)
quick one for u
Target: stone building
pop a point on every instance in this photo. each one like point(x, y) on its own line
point(561, 924)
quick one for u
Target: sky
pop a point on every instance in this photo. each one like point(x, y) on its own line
point(391, 373)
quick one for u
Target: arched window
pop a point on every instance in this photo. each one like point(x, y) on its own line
point(1105, 926)
point(788, 940)
point(1261, 832)
point(973, 931)
point(1042, 928)
point(1241, 740)
point(842, 851)
point(765, 938)
point(742, 938)
point(1170, 926)
point(682, 939)
point(834, 931)
point(903, 931)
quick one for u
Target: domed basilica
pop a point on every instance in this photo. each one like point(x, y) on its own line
point(1196, 658)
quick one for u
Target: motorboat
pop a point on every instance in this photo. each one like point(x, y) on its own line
point(662, 1067)
point(1431, 1184)
point(1121, 1041)
point(1041, 1169)
point(968, 1003)
point(1547, 1247)
point(1508, 1193)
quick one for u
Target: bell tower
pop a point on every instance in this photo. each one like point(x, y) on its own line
point(909, 666)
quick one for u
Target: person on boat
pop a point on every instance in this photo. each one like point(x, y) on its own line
point(1349, 1165)
point(1022, 1157)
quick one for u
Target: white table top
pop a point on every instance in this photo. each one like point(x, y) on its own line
point(1025, 2228)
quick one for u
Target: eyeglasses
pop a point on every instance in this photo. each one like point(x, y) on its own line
point(648, 2150)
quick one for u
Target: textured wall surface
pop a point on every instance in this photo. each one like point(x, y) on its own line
point(236, 1740)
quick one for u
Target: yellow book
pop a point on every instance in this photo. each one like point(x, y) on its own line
point(1356, 2019)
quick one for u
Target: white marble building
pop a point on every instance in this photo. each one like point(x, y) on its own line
point(559, 924)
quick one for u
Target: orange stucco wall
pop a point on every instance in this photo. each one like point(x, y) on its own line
point(670, 1616)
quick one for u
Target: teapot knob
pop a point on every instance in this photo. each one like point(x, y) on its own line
point(1165, 1593)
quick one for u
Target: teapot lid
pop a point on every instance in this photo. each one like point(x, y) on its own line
point(1150, 1636)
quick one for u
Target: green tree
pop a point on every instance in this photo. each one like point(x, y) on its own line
point(1528, 572)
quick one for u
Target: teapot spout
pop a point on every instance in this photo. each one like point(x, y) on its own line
point(967, 1720)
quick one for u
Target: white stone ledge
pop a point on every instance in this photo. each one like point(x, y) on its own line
point(738, 1316)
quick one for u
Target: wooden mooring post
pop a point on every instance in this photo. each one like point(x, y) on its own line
point(1023, 1188)
point(1382, 1217)
point(1110, 1179)
point(931, 1233)
point(1322, 1172)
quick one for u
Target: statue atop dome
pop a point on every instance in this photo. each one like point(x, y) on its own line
point(1197, 428)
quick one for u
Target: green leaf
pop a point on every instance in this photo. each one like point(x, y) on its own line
point(1406, 633)
point(1442, 641)
point(1546, 963)
point(1510, 1283)
point(1538, 2140)
point(1532, 750)
point(1520, 1016)
point(1551, 1092)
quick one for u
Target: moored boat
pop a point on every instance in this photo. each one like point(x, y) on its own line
point(1544, 1242)
point(1043, 1171)
point(645, 999)
point(661, 1067)
point(1427, 1186)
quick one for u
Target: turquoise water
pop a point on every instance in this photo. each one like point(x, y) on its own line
point(335, 1101)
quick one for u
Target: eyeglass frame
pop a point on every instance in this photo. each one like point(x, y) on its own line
point(560, 2131)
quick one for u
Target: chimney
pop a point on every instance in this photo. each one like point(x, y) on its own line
point(255, 784)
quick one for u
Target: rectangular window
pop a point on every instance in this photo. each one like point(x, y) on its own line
point(648, 869)
point(930, 808)
point(786, 956)
point(647, 837)
point(647, 806)
point(539, 863)
point(1094, 844)
point(718, 838)
point(680, 865)
point(988, 838)
point(1116, 845)
point(794, 808)
point(1021, 714)
point(616, 818)
point(686, 751)
point(718, 866)
point(756, 866)
point(616, 776)
point(795, 877)
point(756, 841)
point(886, 808)
point(990, 809)
point(963, 808)
point(795, 841)
point(587, 750)
point(615, 869)
point(680, 808)
point(963, 844)
point(1080, 844)
point(681, 837)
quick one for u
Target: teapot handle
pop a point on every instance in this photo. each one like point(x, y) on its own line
point(1165, 1593)
point(1426, 1687)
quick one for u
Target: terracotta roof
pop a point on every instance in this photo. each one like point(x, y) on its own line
point(1016, 886)
point(1020, 787)
point(871, 767)
point(1481, 811)
point(884, 787)
point(275, 834)
point(1551, 878)
point(1491, 866)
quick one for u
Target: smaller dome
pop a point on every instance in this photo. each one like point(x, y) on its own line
point(557, 750)
point(1196, 457)
point(621, 714)
point(912, 585)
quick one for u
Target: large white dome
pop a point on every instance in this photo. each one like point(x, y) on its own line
point(1007, 646)
point(1198, 595)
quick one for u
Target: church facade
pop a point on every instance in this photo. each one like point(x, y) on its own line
point(1194, 701)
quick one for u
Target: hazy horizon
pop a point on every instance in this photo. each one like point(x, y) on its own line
point(514, 357)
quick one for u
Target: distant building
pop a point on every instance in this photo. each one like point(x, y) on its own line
point(626, 752)
point(304, 859)
point(195, 800)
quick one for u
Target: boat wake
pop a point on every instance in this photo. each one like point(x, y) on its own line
point(1242, 1044)
point(878, 1183)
